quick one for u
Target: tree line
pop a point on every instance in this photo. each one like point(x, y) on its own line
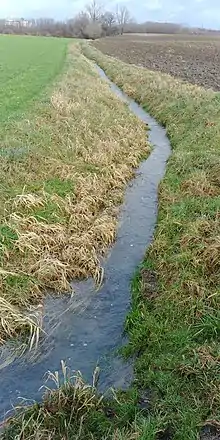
point(94, 22)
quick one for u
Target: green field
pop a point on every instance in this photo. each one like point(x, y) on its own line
point(28, 64)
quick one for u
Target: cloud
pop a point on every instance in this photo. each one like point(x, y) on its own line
point(154, 5)
point(53, 8)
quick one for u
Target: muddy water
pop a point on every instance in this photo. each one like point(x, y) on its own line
point(86, 330)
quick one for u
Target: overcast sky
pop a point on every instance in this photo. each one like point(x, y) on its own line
point(193, 12)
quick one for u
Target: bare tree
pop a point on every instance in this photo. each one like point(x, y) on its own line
point(108, 21)
point(93, 30)
point(94, 10)
point(79, 24)
point(123, 17)
point(108, 18)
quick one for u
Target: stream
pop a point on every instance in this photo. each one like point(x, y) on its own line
point(86, 329)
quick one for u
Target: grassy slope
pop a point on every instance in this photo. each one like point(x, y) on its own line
point(63, 170)
point(175, 328)
point(28, 64)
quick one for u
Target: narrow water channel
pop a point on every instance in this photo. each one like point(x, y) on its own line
point(86, 330)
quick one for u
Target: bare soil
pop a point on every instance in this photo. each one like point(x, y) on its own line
point(210, 433)
point(195, 59)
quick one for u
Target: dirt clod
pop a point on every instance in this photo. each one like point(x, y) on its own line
point(148, 284)
point(210, 433)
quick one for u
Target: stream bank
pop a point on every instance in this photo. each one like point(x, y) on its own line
point(87, 329)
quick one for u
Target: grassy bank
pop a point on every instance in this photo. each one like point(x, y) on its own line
point(75, 411)
point(174, 325)
point(64, 167)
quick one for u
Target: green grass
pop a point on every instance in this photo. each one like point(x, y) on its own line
point(175, 330)
point(28, 65)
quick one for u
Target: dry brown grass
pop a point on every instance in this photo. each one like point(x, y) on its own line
point(200, 185)
point(60, 195)
point(13, 320)
point(203, 242)
point(73, 410)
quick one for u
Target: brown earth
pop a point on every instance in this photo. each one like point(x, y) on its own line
point(210, 433)
point(193, 58)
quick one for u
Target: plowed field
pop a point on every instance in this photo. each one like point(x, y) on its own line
point(195, 59)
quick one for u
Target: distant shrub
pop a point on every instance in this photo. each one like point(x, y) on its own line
point(93, 31)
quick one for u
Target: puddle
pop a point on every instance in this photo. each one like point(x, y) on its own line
point(85, 330)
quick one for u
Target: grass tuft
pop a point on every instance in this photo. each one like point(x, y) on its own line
point(75, 410)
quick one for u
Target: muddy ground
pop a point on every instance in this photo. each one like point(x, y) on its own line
point(195, 59)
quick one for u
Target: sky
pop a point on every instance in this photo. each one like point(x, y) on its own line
point(204, 13)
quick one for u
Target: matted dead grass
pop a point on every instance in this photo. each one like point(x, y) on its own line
point(60, 195)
